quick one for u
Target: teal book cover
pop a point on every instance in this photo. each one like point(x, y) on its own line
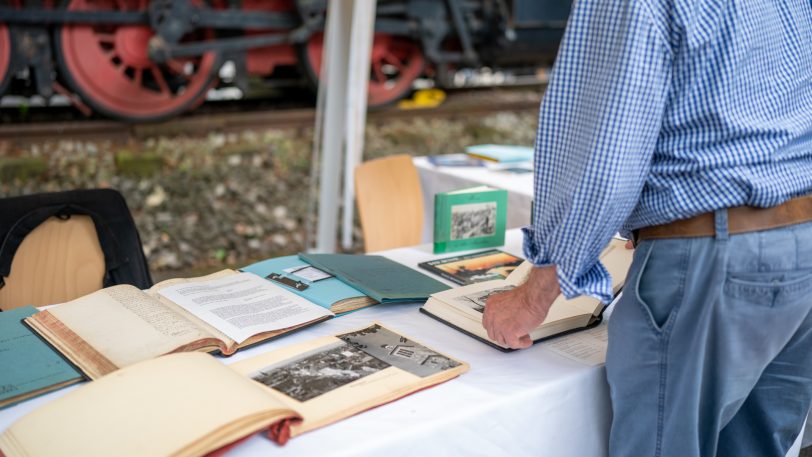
point(501, 153)
point(29, 366)
point(311, 283)
point(382, 279)
point(472, 218)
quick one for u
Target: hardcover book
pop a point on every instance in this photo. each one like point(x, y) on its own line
point(318, 286)
point(469, 219)
point(472, 268)
point(462, 308)
point(121, 325)
point(191, 404)
point(183, 405)
point(29, 366)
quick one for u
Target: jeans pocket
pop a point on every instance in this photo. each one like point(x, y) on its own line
point(769, 289)
point(660, 283)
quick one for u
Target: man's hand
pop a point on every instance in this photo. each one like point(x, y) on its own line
point(511, 315)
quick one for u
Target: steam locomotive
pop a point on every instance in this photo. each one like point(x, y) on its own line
point(149, 60)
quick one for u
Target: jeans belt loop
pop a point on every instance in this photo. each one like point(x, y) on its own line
point(721, 224)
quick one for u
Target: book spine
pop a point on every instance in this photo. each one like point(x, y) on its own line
point(441, 223)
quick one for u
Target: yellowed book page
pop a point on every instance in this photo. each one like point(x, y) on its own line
point(126, 325)
point(471, 300)
point(153, 292)
point(177, 405)
point(331, 378)
point(243, 305)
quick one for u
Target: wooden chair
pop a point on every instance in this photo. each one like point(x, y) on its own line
point(58, 261)
point(390, 203)
point(59, 246)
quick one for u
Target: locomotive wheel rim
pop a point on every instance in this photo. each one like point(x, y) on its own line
point(5, 57)
point(109, 68)
point(395, 63)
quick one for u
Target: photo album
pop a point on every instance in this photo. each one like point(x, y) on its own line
point(209, 406)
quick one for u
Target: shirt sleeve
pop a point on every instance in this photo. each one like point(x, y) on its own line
point(598, 128)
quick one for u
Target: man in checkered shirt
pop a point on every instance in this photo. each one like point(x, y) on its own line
point(687, 126)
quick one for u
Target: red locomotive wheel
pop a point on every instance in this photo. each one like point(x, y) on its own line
point(394, 65)
point(5, 58)
point(5, 51)
point(109, 67)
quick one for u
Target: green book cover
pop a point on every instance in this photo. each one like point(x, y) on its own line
point(29, 366)
point(469, 219)
point(378, 277)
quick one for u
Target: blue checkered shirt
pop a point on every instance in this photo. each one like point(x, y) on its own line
point(659, 110)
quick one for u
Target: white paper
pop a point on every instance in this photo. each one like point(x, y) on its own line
point(308, 273)
point(587, 346)
point(243, 305)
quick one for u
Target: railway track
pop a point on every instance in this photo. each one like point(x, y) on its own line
point(464, 104)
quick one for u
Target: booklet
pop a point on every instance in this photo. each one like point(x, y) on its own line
point(472, 218)
point(121, 325)
point(462, 308)
point(29, 366)
point(473, 268)
point(192, 405)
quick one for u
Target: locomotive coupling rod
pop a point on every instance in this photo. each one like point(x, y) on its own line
point(160, 51)
point(40, 17)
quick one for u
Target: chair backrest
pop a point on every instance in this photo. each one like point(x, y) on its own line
point(59, 246)
point(390, 203)
point(58, 261)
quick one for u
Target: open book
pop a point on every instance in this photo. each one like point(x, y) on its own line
point(191, 404)
point(178, 405)
point(462, 307)
point(305, 280)
point(121, 325)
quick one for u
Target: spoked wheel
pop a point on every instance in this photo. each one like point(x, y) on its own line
point(109, 67)
point(6, 49)
point(395, 63)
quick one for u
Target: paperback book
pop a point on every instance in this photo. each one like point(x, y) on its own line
point(476, 267)
point(467, 219)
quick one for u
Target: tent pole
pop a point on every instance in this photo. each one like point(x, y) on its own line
point(363, 24)
point(336, 49)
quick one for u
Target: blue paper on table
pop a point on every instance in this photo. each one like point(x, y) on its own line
point(322, 289)
point(455, 160)
point(382, 279)
point(501, 153)
point(28, 366)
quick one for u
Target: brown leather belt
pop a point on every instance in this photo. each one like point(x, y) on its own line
point(741, 219)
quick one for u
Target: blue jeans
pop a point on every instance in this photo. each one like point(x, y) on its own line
point(710, 347)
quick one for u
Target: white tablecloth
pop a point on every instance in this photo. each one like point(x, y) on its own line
point(527, 403)
point(444, 179)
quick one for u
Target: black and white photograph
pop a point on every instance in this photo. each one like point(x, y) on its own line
point(399, 351)
point(473, 220)
point(477, 300)
point(318, 372)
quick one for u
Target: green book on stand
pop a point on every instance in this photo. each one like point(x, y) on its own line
point(378, 277)
point(29, 366)
point(472, 218)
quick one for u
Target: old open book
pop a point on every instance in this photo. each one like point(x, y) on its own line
point(121, 325)
point(191, 404)
point(462, 307)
